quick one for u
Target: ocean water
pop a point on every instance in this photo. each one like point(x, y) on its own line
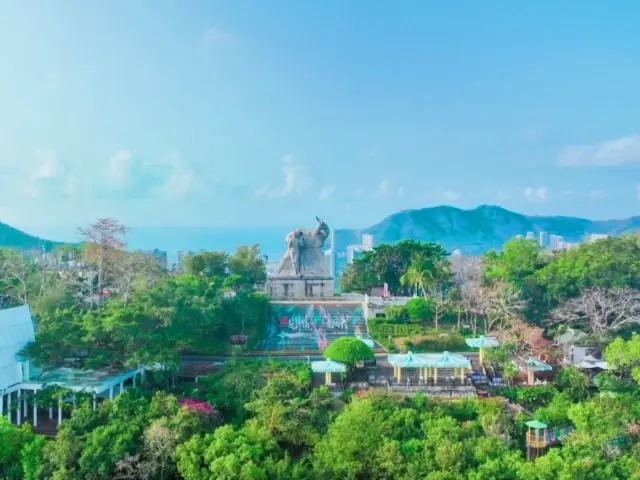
point(226, 239)
point(176, 239)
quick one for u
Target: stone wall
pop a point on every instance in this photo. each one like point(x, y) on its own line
point(289, 288)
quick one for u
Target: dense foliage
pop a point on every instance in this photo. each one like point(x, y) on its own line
point(389, 263)
point(262, 420)
point(348, 350)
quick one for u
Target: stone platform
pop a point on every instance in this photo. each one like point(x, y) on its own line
point(290, 288)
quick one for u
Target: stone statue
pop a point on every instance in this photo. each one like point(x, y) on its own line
point(304, 257)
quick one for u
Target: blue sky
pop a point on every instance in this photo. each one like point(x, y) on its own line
point(258, 113)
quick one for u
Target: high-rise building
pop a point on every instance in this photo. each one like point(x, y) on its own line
point(367, 242)
point(592, 237)
point(531, 236)
point(160, 256)
point(181, 257)
point(353, 252)
point(519, 236)
point(555, 241)
point(330, 258)
point(544, 239)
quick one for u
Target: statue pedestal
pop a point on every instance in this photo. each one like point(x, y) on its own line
point(299, 287)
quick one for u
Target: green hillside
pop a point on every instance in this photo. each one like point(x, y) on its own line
point(479, 230)
point(14, 238)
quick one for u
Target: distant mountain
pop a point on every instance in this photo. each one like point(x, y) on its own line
point(479, 230)
point(14, 238)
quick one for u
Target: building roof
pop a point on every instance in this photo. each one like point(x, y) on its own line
point(16, 330)
point(483, 342)
point(421, 360)
point(570, 336)
point(408, 360)
point(96, 381)
point(537, 365)
point(328, 366)
point(536, 424)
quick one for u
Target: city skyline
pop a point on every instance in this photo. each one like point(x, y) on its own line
point(240, 114)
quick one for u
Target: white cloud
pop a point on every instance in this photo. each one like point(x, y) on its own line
point(400, 191)
point(450, 195)
point(358, 192)
point(597, 193)
point(326, 192)
point(262, 191)
point(538, 194)
point(47, 166)
point(180, 180)
point(119, 169)
point(620, 151)
point(214, 36)
point(383, 188)
point(296, 180)
point(71, 186)
point(638, 190)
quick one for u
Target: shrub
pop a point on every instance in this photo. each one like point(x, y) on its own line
point(449, 343)
point(529, 397)
point(418, 310)
point(396, 314)
point(348, 350)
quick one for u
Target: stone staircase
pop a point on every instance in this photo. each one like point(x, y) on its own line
point(295, 335)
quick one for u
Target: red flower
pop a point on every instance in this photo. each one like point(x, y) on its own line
point(197, 406)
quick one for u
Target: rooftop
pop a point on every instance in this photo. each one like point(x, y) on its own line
point(96, 381)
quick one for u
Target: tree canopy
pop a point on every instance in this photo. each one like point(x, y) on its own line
point(348, 350)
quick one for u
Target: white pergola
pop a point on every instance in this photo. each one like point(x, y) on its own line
point(17, 375)
point(94, 382)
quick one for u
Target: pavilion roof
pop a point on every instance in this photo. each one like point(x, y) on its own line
point(436, 360)
point(326, 366)
point(483, 342)
point(537, 365)
point(450, 360)
point(408, 360)
point(536, 424)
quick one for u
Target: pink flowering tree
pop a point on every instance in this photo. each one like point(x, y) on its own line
point(197, 406)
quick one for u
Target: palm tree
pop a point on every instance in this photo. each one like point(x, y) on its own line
point(418, 275)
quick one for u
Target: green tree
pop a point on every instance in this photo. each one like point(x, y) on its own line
point(624, 356)
point(348, 350)
point(610, 263)
point(396, 313)
point(209, 264)
point(419, 309)
point(248, 266)
point(388, 264)
point(574, 382)
point(517, 265)
point(250, 453)
point(19, 451)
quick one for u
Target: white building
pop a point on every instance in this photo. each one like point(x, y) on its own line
point(592, 237)
point(16, 330)
point(18, 376)
point(555, 242)
point(353, 252)
point(367, 242)
point(544, 239)
point(531, 236)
